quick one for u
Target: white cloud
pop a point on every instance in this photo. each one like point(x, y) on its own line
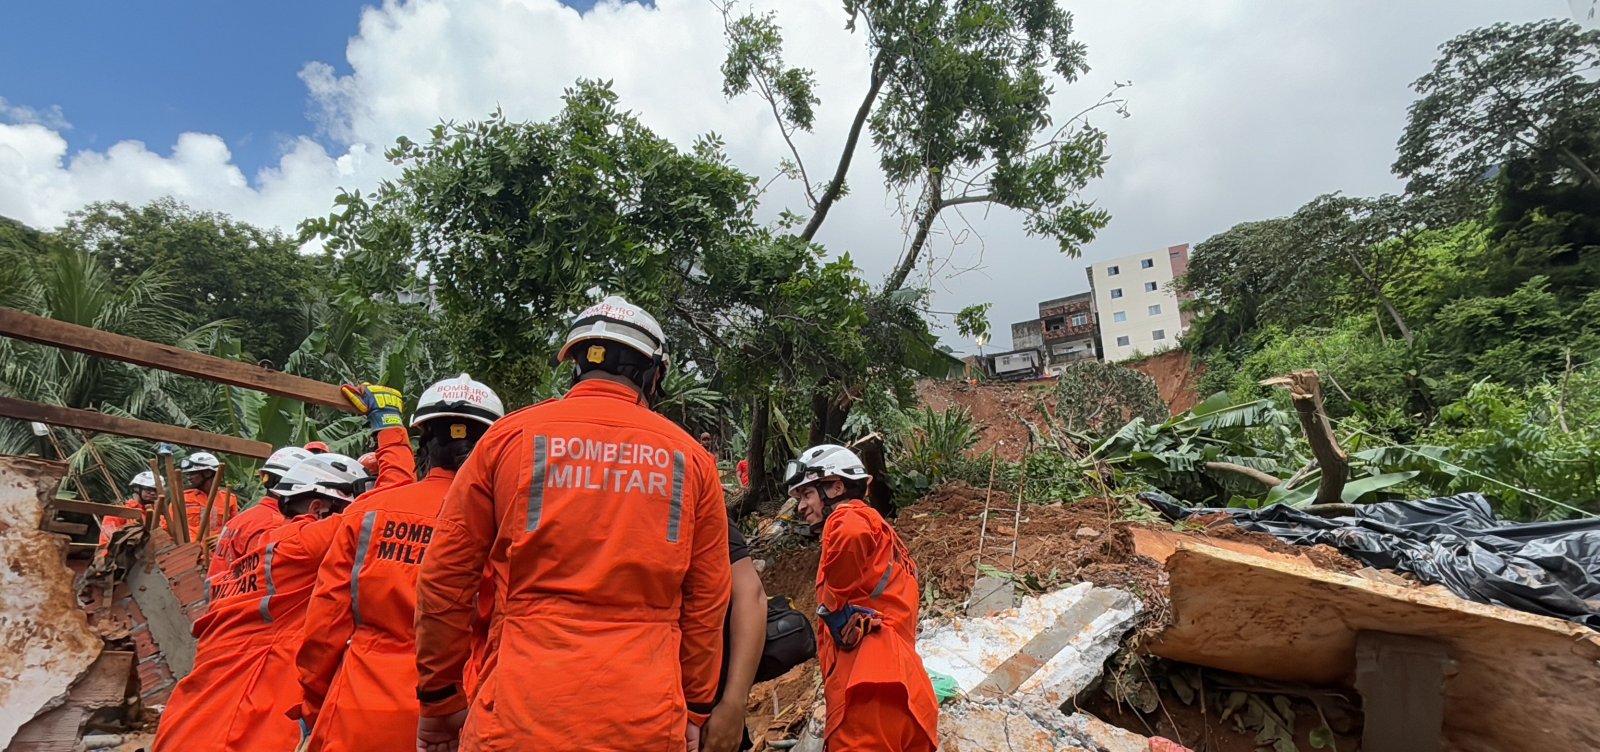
point(51, 116)
point(1241, 110)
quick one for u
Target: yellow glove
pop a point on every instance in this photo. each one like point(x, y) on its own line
point(381, 404)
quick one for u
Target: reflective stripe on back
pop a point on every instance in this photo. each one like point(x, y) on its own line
point(363, 542)
point(541, 450)
point(272, 587)
point(675, 514)
point(882, 583)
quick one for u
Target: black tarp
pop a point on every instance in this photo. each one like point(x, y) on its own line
point(1550, 568)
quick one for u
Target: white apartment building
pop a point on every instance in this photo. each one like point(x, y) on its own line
point(1134, 302)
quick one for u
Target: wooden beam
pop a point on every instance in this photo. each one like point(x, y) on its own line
point(1297, 623)
point(67, 336)
point(89, 420)
point(97, 509)
point(1401, 679)
point(66, 528)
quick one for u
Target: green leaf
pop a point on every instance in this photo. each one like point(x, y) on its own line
point(1356, 489)
point(1322, 738)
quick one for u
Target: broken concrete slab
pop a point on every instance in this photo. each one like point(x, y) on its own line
point(991, 595)
point(978, 726)
point(1046, 650)
point(1523, 682)
point(45, 640)
point(1028, 726)
point(101, 696)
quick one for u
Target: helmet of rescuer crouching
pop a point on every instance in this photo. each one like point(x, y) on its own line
point(825, 462)
point(621, 338)
point(334, 476)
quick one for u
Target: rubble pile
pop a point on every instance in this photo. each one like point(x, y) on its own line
point(93, 649)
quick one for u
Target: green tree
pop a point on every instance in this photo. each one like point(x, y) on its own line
point(218, 267)
point(973, 321)
point(957, 103)
point(1504, 93)
point(69, 285)
point(521, 225)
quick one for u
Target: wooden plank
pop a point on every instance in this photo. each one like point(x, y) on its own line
point(67, 336)
point(1290, 622)
point(78, 506)
point(1401, 680)
point(66, 528)
point(89, 420)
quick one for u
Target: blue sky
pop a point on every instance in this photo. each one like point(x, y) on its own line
point(151, 69)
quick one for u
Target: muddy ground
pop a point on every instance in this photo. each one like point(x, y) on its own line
point(1056, 545)
point(1000, 409)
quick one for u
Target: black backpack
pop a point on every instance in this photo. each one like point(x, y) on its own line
point(790, 640)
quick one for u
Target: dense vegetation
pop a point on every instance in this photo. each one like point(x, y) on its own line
point(1461, 319)
point(1457, 326)
point(496, 233)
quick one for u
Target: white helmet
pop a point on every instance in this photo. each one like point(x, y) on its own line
point(822, 462)
point(145, 479)
point(283, 459)
point(460, 397)
point(619, 321)
point(329, 474)
point(199, 461)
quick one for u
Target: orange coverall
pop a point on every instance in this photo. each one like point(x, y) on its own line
point(364, 697)
point(607, 522)
point(194, 507)
point(396, 465)
point(879, 696)
point(109, 525)
point(243, 683)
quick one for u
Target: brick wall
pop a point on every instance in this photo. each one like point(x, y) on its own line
point(118, 617)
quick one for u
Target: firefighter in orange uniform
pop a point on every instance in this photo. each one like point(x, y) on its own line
point(144, 495)
point(200, 471)
point(358, 665)
point(879, 697)
point(607, 522)
point(237, 697)
point(241, 533)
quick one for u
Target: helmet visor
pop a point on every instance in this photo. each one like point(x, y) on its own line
point(797, 473)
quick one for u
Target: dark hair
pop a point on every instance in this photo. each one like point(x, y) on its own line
point(620, 360)
point(440, 449)
point(299, 504)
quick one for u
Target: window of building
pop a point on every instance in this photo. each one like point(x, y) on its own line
point(1112, 271)
point(1119, 316)
point(1150, 287)
point(1081, 319)
point(1122, 342)
point(1155, 310)
point(1116, 292)
point(1158, 334)
point(1146, 263)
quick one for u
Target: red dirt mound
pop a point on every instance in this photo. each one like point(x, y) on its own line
point(1176, 376)
point(998, 410)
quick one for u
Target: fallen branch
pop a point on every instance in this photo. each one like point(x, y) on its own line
point(1265, 479)
point(1305, 390)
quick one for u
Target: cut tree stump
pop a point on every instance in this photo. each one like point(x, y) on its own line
point(1524, 682)
point(1305, 391)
